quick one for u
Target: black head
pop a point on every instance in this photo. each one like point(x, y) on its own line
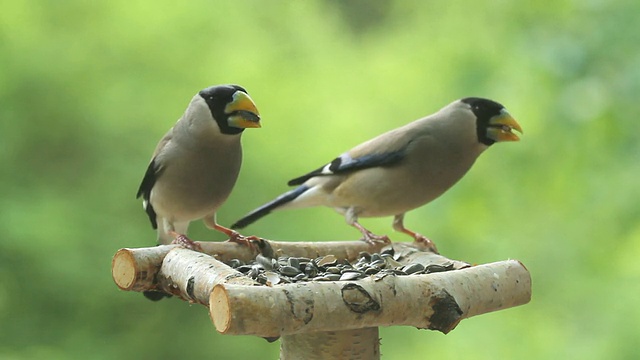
point(493, 123)
point(231, 107)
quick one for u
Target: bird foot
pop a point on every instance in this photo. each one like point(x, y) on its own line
point(426, 242)
point(373, 239)
point(185, 242)
point(243, 240)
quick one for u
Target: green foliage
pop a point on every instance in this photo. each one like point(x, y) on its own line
point(87, 89)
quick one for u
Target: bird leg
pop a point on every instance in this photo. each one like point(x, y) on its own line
point(398, 225)
point(351, 217)
point(184, 241)
point(233, 235)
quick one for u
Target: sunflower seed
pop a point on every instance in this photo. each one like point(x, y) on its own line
point(433, 268)
point(333, 277)
point(264, 261)
point(413, 268)
point(293, 262)
point(379, 263)
point(272, 277)
point(372, 270)
point(300, 277)
point(235, 263)
point(364, 255)
point(350, 275)
point(289, 271)
point(388, 250)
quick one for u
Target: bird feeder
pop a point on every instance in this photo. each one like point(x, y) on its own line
point(287, 292)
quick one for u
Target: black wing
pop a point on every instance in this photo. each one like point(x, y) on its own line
point(345, 163)
point(148, 181)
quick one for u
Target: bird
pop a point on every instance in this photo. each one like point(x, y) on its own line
point(196, 163)
point(400, 170)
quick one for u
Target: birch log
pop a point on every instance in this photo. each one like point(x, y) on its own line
point(137, 269)
point(360, 344)
point(192, 275)
point(437, 301)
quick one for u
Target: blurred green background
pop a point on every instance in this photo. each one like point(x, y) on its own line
point(88, 88)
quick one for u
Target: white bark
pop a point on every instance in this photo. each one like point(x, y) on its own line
point(435, 301)
point(137, 269)
point(360, 344)
point(324, 320)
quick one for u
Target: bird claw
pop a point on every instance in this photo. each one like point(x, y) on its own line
point(373, 239)
point(426, 242)
point(243, 240)
point(185, 242)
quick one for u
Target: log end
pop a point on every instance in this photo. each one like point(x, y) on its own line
point(220, 309)
point(123, 269)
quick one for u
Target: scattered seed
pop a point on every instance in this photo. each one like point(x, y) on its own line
point(289, 271)
point(254, 271)
point(433, 268)
point(264, 261)
point(293, 262)
point(391, 263)
point(388, 250)
point(273, 278)
point(397, 256)
point(371, 271)
point(350, 275)
point(327, 260)
point(311, 269)
point(235, 263)
point(379, 263)
point(413, 268)
point(262, 279)
point(286, 269)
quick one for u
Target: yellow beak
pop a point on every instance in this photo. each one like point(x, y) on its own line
point(242, 111)
point(501, 127)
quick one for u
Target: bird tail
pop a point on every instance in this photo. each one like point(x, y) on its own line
point(270, 206)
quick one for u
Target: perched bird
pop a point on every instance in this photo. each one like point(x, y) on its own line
point(402, 169)
point(196, 164)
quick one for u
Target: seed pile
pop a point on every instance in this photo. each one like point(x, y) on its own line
point(286, 269)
